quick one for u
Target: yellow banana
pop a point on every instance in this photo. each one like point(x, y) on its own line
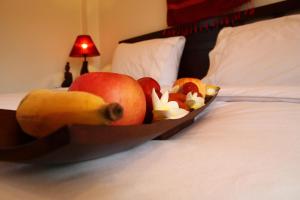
point(42, 112)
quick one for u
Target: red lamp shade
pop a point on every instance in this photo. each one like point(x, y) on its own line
point(84, 47)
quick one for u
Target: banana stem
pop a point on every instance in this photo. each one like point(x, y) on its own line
point(114, 111)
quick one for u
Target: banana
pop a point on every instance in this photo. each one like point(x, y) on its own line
point(42, 112)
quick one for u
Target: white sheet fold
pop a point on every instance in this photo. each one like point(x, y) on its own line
point(260, 94)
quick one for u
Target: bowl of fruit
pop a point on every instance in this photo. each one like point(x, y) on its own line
point(102, 113)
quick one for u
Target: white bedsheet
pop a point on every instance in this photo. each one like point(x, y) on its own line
point(241, 149)
point(11, 101)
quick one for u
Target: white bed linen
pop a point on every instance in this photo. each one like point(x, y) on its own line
point(11, 101)
point(264, 53)
point(243, 149)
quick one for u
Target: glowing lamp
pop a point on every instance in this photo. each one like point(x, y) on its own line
point(84, 47)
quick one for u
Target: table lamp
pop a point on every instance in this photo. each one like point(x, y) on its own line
point(84, 47)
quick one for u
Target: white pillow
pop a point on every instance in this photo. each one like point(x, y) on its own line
point(157, 58)
point(265, 53)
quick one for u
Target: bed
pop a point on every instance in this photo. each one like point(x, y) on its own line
point(246, 146)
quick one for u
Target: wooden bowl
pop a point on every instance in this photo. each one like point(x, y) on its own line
point(75, 143)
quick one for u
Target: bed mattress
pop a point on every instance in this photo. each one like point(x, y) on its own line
point(242, 148)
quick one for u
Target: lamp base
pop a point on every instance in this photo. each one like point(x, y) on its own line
point(84, 68)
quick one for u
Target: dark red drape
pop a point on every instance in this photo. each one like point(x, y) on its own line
point(187, 11)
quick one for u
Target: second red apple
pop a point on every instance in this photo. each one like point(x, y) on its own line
point(148, 83)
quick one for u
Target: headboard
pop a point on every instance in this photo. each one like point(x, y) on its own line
point(195, 58)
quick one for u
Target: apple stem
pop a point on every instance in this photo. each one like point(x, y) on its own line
point(114, 111)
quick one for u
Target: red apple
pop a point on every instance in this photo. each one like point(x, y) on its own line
point(148, 83)
point(180, 99)
point(113, 87)
point(201, 86)
point(190, 87)
point(177, 97)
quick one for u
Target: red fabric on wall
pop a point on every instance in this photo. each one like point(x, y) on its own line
point(187, 11)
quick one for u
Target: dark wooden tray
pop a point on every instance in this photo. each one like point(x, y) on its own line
point(75, 143)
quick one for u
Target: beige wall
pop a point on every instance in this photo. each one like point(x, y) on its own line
point(36, 37)
point(122, 19)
